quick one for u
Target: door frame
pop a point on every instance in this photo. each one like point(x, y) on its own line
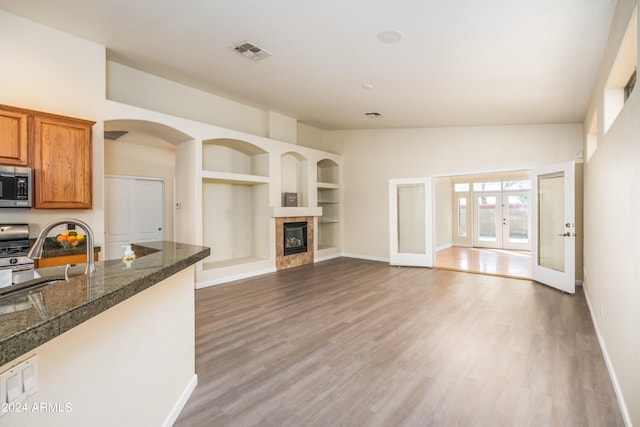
point(425, 259)
point(562, 280)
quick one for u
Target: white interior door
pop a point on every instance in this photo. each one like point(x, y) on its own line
point(410, 222)
point(553, 227)
point(134, 212)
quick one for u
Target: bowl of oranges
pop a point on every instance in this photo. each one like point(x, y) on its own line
point(69, 239)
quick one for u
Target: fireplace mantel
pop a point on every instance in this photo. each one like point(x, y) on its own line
point(284, 212)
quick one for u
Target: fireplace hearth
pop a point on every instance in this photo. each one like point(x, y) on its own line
point(295, 237)
point(294, 241)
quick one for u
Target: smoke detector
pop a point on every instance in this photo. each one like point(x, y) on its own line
point(251, 51)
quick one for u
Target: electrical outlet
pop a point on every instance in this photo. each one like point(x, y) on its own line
point(601, 308)
point(19, 381)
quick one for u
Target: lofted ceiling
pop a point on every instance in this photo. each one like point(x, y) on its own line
point(457, 63)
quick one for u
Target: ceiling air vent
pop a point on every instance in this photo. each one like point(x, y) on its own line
point(373, 114)
point(114, 134)
point(251, 51)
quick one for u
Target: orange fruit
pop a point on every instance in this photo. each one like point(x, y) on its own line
point(61, 237)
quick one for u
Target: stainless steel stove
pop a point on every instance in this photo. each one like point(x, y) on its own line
point(14, 247)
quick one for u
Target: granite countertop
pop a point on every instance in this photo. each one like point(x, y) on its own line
point(33, 316)
point(53, 249)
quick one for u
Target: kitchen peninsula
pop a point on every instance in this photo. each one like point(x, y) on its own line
point(116, 348)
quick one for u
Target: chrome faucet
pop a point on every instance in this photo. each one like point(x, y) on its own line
point(36, 250)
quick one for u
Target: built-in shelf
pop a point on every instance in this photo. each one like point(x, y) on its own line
point(234, 178)
point(235, 207)
point(327, 185)
point(328, 192)
point(231, 262)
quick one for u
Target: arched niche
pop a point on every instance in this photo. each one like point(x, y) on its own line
point(328, 172)
point(294, 172)
point(234, 156)
point(117, 129)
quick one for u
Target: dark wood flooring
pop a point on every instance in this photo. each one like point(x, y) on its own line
point(349, 342)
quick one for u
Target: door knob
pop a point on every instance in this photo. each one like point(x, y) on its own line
point(567, 234)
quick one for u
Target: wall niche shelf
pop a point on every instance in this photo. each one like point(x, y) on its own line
point(242, 182)
point(328, 193)
point(235, 206)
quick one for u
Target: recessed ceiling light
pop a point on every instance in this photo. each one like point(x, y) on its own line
point(367, 86)
point(390, 36)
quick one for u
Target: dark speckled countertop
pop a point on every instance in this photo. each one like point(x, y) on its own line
point(31, 317)
point(52, 248)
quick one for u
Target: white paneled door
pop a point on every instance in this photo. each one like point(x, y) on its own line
point(553, 236)
point(410, 222)
point(134, 212)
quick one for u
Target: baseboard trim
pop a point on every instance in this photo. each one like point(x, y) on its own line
point(368, 258)
point(607, 360)
point(443, 247)
point(179, 405)
point(228, 279)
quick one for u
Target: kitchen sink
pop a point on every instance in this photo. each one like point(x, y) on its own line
point(29, 284)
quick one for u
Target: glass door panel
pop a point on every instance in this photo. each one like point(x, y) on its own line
point(516, 220)
point(462, 216)
point(551, 220)
point(411, 218)
point(410, 222)
point(488, 220)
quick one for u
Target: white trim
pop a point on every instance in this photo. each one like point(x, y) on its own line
point(227, 279)
point(443, 247)
point(365, 257)
point(179, 405)
point(612, 372)
point(327, 257)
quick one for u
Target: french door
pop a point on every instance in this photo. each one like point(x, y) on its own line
point(410, 222)
point(501, 220)
point(553, 236)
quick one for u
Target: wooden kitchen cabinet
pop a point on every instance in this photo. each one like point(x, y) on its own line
point(61, 159)
point(13, 136)
point(55, 261)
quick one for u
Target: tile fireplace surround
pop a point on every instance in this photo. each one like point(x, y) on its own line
point(284, 262)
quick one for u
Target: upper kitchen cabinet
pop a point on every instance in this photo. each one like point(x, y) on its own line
point(61, 160)
point(13, 136)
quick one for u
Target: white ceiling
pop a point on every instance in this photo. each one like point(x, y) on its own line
point(460, 63)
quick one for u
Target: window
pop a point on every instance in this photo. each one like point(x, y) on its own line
point(461, 187)
point(521, 184)
point(487, 186)
point(622, 77)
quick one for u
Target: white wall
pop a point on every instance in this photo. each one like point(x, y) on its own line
point(443, 212)
point(612, 229)
point(371, 157)
point(47, 70)
point(134, 87)
point(129, 365)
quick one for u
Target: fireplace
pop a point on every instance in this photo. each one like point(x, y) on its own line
point(294, 237)
point(294, 241)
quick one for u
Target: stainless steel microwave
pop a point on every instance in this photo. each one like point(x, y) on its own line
point(15, 187)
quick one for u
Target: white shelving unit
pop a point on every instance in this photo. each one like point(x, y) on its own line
point(235, 207)
point(242, 184)
point(329, 225)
